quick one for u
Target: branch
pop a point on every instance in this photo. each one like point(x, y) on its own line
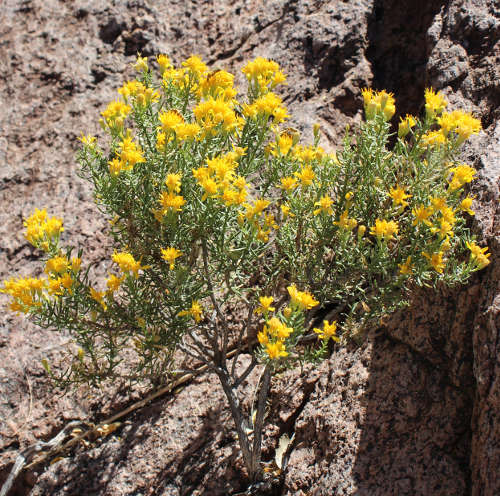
point(259, 421)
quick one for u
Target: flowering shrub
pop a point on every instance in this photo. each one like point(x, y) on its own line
point(214, 205)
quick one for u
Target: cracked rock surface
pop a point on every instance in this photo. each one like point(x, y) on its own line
point(412, 410)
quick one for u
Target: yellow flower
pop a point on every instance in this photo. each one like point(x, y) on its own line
point(75, 264)
point(462, 123)
point(346, 222)
point(218, 84)
point(324, 204)
point(438, 204)
point(433, 139)
point(57, 265)
point(462, 174)
point(466, 205)
point(141, 64)
point(328, 331)
point(301, 299)
point(399, 196)
point(170, 120)
point(257, 208)
point(285, 210)
point(444, 230)
point(405, 125)
point(171, 201)
point(284, 143)
point(306, 175)
point(277, 329)
point(173, 183)
point(406, 268)
point(169, 255)
point(129, 154)
point(115, 114)
point(448, 215)
point(195, 312)
point(288, 183)
point(378, 102)
point(195, 65)
point(113, 282)
point(163, 62)
point(265, 305)
point(214, 112)
point(436, 260)
point(434, 102)
point(89, 140)
point(187, 131)
point(384, 229)
point(263, 74)
point(422, 214)
point(276, 350)
point(263, 337)
point(479, 256)
point(99, 297)
point(41, 229)
point(127, 263)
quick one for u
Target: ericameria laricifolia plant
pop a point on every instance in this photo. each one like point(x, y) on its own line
point(215, 206)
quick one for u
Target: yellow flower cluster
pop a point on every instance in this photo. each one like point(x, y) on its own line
point(384, 229)
point(263, 74)
point(479, 256)
point(433, 139)
point(324, 206)
point(459, 122)
point(307, 154)
point(115, 114)
point(219, 85)
point(169, 200)
point(301, 299)
point(266, 106)
point(262, 221)
point(405, 125)
point(378, 102)
point(113, 283)
point(462, 174)
point(28, 293)
point(195, 66)
point(216, 113)
point(282, 145)
point(173, 126)
point(128, 154)
point(435, 103)
point(141, 64)
point(218, 179)
point(399, 196)
point(25, 293)
point(140, 94)
point(406, 268)
point(128, 264)
point(43, 231)
point(345, 222)
point(61, 273)
point(273, 336)
point(435, 260)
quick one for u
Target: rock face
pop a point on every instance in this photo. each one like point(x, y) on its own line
point(415, 409)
